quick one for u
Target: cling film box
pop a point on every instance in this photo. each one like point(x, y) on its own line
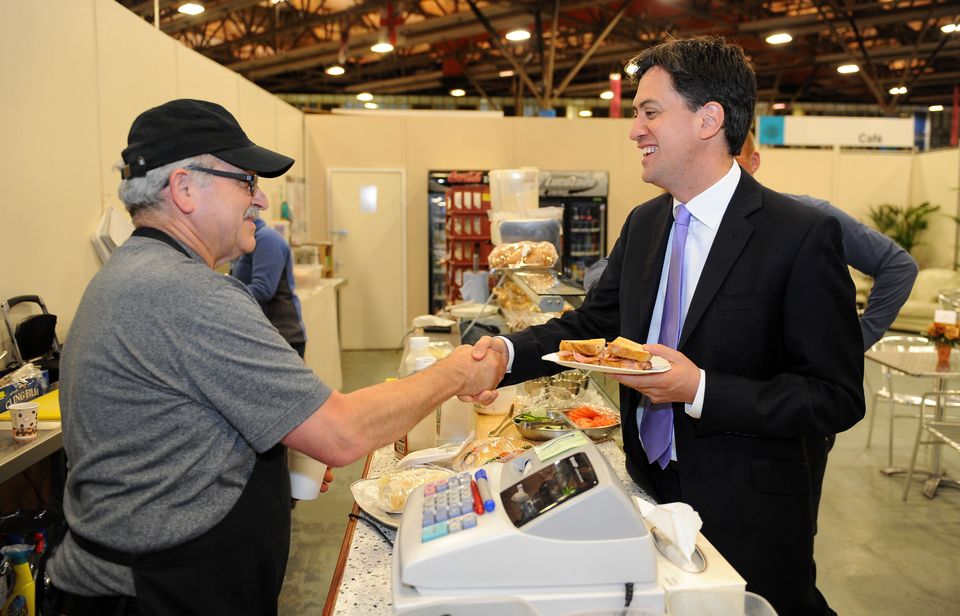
point(23, 390)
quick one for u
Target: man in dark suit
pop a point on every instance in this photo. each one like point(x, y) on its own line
point(753, 298)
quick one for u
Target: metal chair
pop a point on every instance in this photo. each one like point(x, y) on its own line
point(944, 431)
point(34, 338)
point(892, 383)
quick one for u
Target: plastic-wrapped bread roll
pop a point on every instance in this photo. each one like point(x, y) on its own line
point(523, 254)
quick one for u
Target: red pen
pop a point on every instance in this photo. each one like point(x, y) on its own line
point(477, 501)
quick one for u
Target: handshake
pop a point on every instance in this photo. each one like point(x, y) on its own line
point(480, 367)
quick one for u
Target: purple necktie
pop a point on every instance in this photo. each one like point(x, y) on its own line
point(656, 426)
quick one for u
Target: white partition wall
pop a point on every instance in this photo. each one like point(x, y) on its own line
point(853, 180)
point(76, 74)
point(936, 178)
point(50, 161)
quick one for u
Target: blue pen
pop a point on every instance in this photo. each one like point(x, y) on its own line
point(484, 488)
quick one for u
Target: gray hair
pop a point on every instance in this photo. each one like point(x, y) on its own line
point(143, 193)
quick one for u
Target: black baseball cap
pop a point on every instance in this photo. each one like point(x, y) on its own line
point(187, 127)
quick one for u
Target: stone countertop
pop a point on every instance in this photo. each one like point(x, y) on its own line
point(366, 587)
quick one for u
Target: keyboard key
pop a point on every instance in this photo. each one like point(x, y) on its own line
point(453, 526)
point(428, 518)
point(468, 521)
point(433, 532)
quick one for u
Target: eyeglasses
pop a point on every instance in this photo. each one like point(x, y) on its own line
point(249, 179)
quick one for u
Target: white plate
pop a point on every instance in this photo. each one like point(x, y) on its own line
point(469, 311)
point(365, 493)
point(659, 365)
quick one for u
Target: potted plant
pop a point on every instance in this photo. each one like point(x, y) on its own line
point(903, 224)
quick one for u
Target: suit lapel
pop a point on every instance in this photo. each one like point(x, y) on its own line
point(732, 236)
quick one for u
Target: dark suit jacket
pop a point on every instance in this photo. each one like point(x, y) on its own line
point(773, 323)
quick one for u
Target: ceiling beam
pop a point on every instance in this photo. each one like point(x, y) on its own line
point(596, 44)
point(813, 23)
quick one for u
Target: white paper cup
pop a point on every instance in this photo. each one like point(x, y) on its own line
point(306, 475)
point(23, 416)
point(717, 602)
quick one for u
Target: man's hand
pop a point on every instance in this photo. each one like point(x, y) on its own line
point(481, 374)
point(493, 344)
point(679, 384)
point(327, 480)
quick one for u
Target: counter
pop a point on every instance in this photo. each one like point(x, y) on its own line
point(16, 457)
point(320, 312)
point(361, 583)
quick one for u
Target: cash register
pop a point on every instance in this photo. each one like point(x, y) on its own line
point(553, 527)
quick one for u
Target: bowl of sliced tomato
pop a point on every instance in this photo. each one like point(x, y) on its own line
point(596, 422)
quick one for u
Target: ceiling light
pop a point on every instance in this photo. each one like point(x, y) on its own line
point(898, 90)
point(381, 47)
point(458, 92)
point(779, 38)
point(506, 73)
point(607, 95)
point(935, 108)
point(585, 113)
point(614, 76)
point(778, 106)
point(275, 2)
point(518, 35)
point(950, 28)
point(335, 70)
point(191, 8)
point(370, 106)
point(846, 69)
point(364, 96)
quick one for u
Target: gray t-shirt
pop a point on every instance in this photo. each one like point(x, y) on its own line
point(172, 379)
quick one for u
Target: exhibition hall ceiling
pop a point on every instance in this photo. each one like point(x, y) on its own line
point(288, 46)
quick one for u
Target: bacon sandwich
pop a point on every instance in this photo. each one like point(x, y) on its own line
point(621, 353)
point(625, 353)
point(583, 351)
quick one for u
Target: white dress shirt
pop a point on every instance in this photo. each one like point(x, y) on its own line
point(706, 212)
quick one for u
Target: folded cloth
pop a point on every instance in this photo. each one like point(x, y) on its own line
point(679, 522)
point(475, 287)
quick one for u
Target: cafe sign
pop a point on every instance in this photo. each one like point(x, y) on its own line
point(839, 131)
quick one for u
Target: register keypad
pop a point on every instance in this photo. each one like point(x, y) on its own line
point(449, 507)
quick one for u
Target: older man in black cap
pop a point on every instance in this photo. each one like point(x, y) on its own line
point(179, 396)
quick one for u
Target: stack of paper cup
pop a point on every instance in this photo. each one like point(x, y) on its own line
point(306, 475)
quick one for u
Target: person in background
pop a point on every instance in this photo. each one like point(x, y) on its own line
point(749, 298)
point(868, 251)
point(179, 397)
point(268, 273)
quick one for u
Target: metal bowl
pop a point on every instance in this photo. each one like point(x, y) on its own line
point(554, 425)
point(574, 381)
point(596, 434)
point(535, 386)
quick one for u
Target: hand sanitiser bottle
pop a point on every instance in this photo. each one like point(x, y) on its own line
point(424, 434)
point(21, 599)
point(418, 346)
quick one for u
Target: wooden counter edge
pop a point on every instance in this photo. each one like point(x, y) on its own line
point(345, 545)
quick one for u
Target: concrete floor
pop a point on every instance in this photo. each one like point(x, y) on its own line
point(876, 554)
